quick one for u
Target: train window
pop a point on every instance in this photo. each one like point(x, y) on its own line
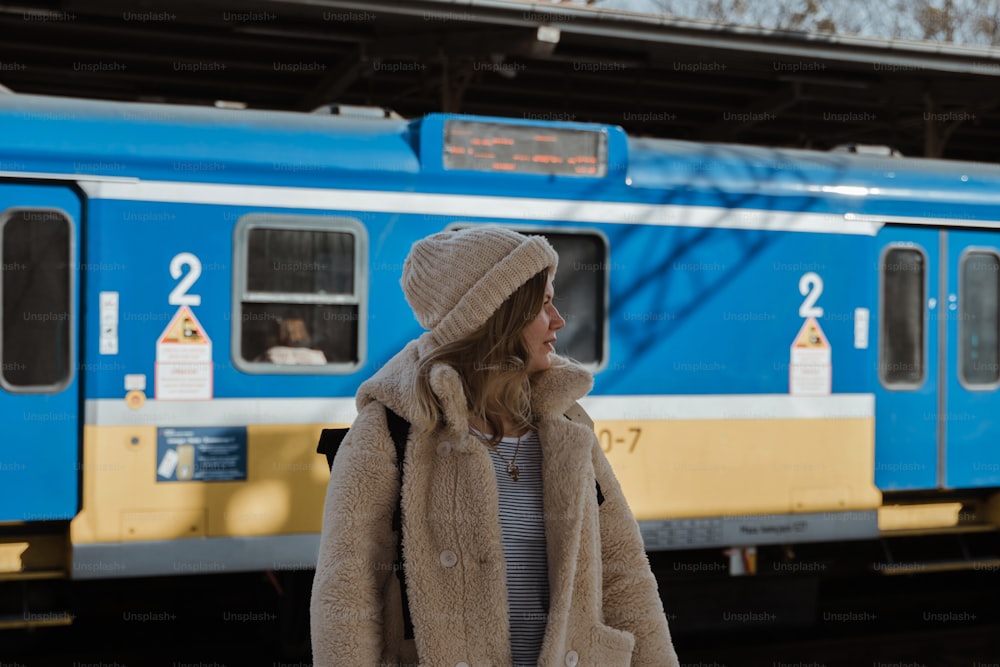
point(901, 351)
point(298, 300)
point(581, 294)
point(978, 324)
point(36, 249)
point(581, 287)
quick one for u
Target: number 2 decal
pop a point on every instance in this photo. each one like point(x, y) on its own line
point(810, 286)
point(179, 295)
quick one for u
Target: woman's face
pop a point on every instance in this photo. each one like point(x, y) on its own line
point(540, 335)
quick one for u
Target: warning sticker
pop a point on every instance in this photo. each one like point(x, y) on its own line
point(810, 371)
point(184, 328)
point(811, 336)
point(184, 368)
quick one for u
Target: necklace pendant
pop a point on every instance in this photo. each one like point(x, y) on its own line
point(513, 471)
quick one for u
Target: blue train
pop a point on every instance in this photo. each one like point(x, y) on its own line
point(788, 346)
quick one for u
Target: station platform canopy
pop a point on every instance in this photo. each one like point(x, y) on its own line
point(653, 75)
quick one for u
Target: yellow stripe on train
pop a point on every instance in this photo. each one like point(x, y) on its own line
point(668, 469)
point(723, 467)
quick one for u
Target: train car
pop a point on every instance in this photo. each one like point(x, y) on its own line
point(789, 347)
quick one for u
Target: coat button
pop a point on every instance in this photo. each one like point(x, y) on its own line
point(572, 658)
point(444, 449)
point(448, 558)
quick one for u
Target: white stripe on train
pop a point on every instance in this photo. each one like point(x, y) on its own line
point(465, 206)
point(244, 411)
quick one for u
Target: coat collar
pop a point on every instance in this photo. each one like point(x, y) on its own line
point(553, 391)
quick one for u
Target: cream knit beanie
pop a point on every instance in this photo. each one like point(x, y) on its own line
point(456, 280)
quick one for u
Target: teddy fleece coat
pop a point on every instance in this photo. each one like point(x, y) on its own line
point(604, 608)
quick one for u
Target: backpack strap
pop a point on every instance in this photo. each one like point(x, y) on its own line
point(331, 439)
point(399, 429)
point(329, 442)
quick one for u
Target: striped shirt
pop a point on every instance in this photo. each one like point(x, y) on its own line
point(523, 531)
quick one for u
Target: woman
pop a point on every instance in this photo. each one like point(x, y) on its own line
point(510, 556)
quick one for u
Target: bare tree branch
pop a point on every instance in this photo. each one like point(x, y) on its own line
point(971, 22)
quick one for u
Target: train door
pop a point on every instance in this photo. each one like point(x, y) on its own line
point(970, 418)
point(39, 398)
point(906, 392)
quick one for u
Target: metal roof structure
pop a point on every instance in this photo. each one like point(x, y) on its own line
point(653, 75)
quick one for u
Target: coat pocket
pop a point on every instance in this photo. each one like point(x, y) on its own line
point(610, 647)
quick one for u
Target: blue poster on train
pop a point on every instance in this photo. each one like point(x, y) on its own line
point(201, 454)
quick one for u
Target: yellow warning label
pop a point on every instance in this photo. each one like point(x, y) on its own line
point(811, 336)
point(184, 328)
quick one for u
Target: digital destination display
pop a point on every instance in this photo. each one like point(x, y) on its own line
point(524, 149)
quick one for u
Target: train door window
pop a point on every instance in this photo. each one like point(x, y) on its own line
point(581, 287)
point(299, 294)
point(901, 350)
point(36, 248)
point(978, 324)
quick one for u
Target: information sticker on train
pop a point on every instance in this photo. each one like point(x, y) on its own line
point(201, 454)
point(183, 360)
point(810, 372)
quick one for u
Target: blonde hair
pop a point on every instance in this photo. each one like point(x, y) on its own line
point(492, 363)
